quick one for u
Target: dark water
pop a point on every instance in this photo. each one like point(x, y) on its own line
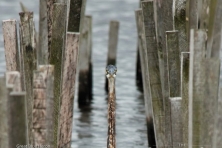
point(90, 126)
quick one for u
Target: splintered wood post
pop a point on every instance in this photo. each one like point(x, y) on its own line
point(213, 47)
point(55, 56)
point(85, 46)
point(145, 77)
point(43, 33)
point(184, 93)
point(76, 15)
point(173, 59)
point(68, 89)
point(196, 84)
point(29, 60)
point(208, 110)
point(11, 45)
point(112, 45)
point(154, 72)
point(176, 121)
point(49, 22)
point(17, 115)
point(180, 23)
point(4, 139)
point(43, 106)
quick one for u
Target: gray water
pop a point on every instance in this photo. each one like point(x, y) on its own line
point(90, 126)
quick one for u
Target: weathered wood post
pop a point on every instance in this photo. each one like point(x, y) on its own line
point(4, 139)
point(16, 106)
point(112, 45)
point(43, 105)
point(196, 84)
point(173, 62)
point(193, 16)
point(43, 33)
point(154, 72)
point(85, 47)
point(184, 93)
point(11, 45)
point(111, 74)
point(145, 77)
point(68, 89)
point(176, 121)
point(58, 28)
point(28, 50)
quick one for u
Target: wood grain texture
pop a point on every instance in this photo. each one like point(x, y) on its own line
point(11, 45)
point(29, 60)
point(154, 72)
point(145, 77)
point(68, 89)
point(185, 56)
point(176, 121)
point(4, 137)
point(55, 56)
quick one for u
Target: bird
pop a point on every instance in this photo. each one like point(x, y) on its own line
point(111, 71)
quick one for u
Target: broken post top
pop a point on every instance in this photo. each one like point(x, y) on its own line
point(111, 71)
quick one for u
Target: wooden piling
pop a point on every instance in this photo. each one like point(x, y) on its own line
point(180, 23)
point(43, 106)
point(11, 45)
point(145, 77)
point(68, 89)
point(55, 56)
point(173, 59)
point(29, 61)
point(154, 72)
point(112, 45)
point(85, 47)
point(4, 137)
point(43, 34)
point(196, 84)
point(184, 94)
point(176, 121)
point(17, 110)
point(213, 45)
point(76, 15)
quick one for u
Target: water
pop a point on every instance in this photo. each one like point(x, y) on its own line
point(90, 125)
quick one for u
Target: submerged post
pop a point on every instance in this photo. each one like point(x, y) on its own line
point(111, 74)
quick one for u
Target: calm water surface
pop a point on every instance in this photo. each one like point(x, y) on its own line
point(90, 126)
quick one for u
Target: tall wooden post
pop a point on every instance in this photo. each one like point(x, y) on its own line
point(68, 89)
point(28, 50)
point(154, 72)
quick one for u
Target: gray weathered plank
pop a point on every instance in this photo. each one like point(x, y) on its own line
point(11, 45)
point(145, 77)
point(154, 72)
point(68, 89)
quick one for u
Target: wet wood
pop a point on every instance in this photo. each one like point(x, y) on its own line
point(55, 56)
point(154, 72)
point(145, 77)
point(112, 45)
point(196, 85)
point(4, 137)
point(76, 15)
point(185, 56)
point(173, 59)
point(16, 114)
point(29, 60)
point(176, 121)
point(43, 34)
point(68, 89)
point(43, 106)
point(85, 49)
point(11, 45)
